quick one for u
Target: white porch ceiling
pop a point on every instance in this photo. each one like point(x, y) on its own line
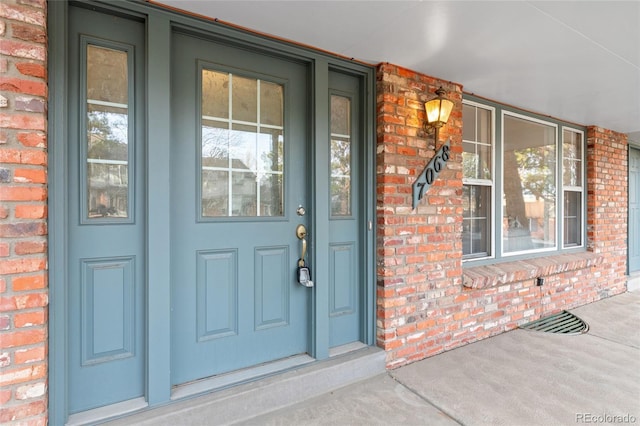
point(574, 60)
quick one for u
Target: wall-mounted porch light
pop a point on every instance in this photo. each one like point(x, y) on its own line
point(438, 111)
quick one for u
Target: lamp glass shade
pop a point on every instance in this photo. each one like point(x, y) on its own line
point(438, 111)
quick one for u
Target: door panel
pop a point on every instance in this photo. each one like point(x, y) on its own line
point(345, 286)
point(634, 210)
point(343, 297)
point(108, 309)
point(106, 211)
point(235, 300)
point(217, 294)
point(272, 289)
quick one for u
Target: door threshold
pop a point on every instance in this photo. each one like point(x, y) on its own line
point(345, 349)
point(248, 400)
point(237, 377)
point(101, 414)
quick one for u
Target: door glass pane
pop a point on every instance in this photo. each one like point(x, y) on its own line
point(270, 171)
point(215, 143)
point(215, 192)
point(340, 156)
point(243, 187)
point(215, 94)
point(270, 154)
point(107, 133)
point(242, 146)
point(244, 99)
point(271, 101)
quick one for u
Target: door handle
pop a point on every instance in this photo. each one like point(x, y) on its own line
point(301, 233)
point(304, 273)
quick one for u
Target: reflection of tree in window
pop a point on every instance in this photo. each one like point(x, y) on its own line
point(107, 163)
point(536, 175)
point(103, 144)
point(107, 155)
point(529, 185)
point(340, 177)
point(272, 203)
point(340, 156)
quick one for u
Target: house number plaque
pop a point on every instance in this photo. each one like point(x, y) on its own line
point(430, 172)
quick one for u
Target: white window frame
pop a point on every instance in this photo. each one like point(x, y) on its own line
point(580, 189)
point(499, 112)
point(483, 182)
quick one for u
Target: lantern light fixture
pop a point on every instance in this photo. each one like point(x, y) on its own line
point(438, 110)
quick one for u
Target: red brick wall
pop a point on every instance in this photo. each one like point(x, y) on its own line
point(419, 253)
point(607, 205)
point(427, 302)
point(23, 212)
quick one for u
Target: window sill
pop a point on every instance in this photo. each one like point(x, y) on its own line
point(477, 277)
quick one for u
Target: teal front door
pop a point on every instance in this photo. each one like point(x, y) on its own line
point(240, 182)
point(180, 253)
point(105, 153)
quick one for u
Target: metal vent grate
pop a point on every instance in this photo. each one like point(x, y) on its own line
point(562, 323)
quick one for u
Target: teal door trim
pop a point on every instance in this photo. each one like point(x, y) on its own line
point(158, 166)
point(57, 134)
point(320, 208)
point(369, 201)
point(159, 24)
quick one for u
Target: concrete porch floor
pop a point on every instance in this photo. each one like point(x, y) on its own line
point(517, 378)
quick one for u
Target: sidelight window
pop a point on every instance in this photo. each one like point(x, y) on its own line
point(108, 149)
point(340, 156)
